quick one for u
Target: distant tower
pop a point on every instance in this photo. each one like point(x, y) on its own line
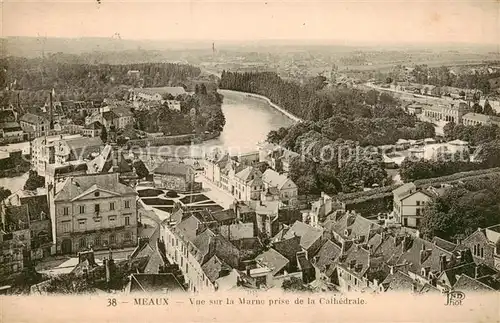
point(213, 49)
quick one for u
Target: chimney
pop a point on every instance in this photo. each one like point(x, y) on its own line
point(391, 269)
point(442, 262)
point(476, 272)
point(424, 254)
point(51, 124)
point(405, 244)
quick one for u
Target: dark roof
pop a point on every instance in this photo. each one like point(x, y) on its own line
point(224, 215)
point(288, 248)
point(7, 116)
point(446, 245)
point(466, 283)
point(303, 262)
point(77, 185)
point(273, 260)
point(10, 126)
point(173, 168)
point(215, 268)
point(96, 125)
point(122, 111)
point(109, 115)
point(148, 283)
point(84, 143)
point(308, 234)
point(328, 254)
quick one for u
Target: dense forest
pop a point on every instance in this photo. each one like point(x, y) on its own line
point(33, 78)
point(462, 209)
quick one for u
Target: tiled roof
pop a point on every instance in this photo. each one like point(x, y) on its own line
point(404, 190)
point(148, 283)
point(96, 125)
point(351, 226)
point(188, 227)
point(328, 254)
point(273, 178)
point(202, 242)
point(273, 260)
point(214, 267)
point(33, 118)
point(84, 143)
point(121, 111)
point(173, 168)
point(308, 235)
point(288, 248)
point(446, 245)
point(466, 283)
point(224, 215)
point(78, 185)
point(10, 126)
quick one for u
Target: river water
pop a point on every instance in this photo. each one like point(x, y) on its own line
point(248, 121)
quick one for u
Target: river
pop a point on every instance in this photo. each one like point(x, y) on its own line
point(248, 121)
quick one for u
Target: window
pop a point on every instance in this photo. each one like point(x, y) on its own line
point(127, 204)
point(97, 241)
point(96, 194)
point(482, 253)
point(187, 268)
point(111, 218)
point(96, 208)
point(128, 236)
point(418, 212)
point(83, 243)
point(66, 210)
point(82, 209)
point(66, 226)
point(81, 223)
point(475, 250)
point(112, 238)
point(112, 206)
point(418, 203)
point(127, 220)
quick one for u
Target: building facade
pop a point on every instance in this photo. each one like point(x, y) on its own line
point(92, 211)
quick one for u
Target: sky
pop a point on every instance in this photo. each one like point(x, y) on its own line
point(377, 21)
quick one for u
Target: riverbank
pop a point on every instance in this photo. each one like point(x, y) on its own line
point(261, 97)
point(177, 140)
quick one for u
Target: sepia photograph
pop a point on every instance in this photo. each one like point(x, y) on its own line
point(250, 161)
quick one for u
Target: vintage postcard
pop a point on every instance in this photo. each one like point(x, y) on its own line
point(250, 161)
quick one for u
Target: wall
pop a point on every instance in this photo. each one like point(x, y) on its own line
point(237, 231)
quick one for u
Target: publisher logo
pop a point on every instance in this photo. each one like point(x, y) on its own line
point(454, 298)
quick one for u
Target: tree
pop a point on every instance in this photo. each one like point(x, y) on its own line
point(34, 181)
point(487, 109)
point(140, 169)
point(489, 154)
point(462, 209)
point(4, 193)
point(477, 108)
point(295, 284)
point(104, 134)
point(69, 284)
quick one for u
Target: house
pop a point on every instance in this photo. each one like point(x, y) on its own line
point(14, 239)
point(310, 237)
point(287, 189)
point(92, 211)
point(409, 204)
point(206, 259)
point(485, 246)
point(123, 117)
point(11, 132)
point(175, 176)
point(38, 239)
point(325, 262)
point(319, 210)
point(266, 216)
point(248, 184)
point(34, 125)
point(157, 93)
point(474, 119)
point(72, 149)
point(93, 130)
